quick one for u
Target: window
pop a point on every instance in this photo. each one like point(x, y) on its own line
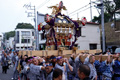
point(17, 47)
point(42, 36)
point(25, 40)
point(32, 33)
point(93, 46)
point(17, 37)
point(25, 33)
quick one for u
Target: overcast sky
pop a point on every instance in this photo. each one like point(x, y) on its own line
point(12, 12)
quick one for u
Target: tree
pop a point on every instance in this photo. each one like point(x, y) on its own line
point(24, 26)
point(98, 19)
point(9, 34)
point(111, 7)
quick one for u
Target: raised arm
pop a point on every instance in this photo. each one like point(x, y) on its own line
point(87, 59)
point(69, 66)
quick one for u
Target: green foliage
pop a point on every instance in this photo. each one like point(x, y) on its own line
point(24, 26)
point(98, 19)
point(111, 7)
point(9, 34)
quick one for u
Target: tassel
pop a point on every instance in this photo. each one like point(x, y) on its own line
point(69, 30)
point(57, 29)
point(61, 30)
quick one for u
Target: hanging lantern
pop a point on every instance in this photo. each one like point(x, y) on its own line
point(40, 27)
point(59, 42)
point(69, 30)
point(57, 29)
point(84, 21)
point(69, 36)
point(65, 30)
point(61, 30)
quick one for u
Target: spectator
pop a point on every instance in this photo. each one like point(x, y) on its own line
point(108, 52)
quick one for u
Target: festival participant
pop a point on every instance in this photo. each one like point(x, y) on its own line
point(25, 70)
point(13, 58)
point(84, 72)
point(106, 69)
point(4, 62)
point(78, 61)
point(49, 71)
point(98, 67)
point(28, 71)
point(15, 71)
point(63, 64)
point(89, 60)
point(57, 74)
point(72, 74)
point(41, 75)
point(53, 60)
point(35, 69)
point(22, 64)
point(116, 66)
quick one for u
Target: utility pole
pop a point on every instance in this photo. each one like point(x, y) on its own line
point(37, 32)
point(101, 6)
point(102, 24)
point(33, 14)
point(90, 11)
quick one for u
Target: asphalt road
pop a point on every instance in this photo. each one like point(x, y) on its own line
point(7, 76)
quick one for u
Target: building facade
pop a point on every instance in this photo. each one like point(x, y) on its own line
point(90, 37)
point(24, 39)
point(7, 43)
point(0, 41)
point(11, 42)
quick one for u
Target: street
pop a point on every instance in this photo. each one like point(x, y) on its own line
point(7, 76)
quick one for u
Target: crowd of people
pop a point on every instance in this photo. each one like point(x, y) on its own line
point(61, 68)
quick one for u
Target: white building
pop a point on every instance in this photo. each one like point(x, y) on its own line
point(11, 42)
point(89, 39)
point(0, 41)
point(42, 41)
point(24, 38)
point(7, 43)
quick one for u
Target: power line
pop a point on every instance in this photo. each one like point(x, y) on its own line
point(43, 4)
point(79, 9)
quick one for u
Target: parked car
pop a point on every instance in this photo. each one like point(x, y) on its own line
point(117, 50)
